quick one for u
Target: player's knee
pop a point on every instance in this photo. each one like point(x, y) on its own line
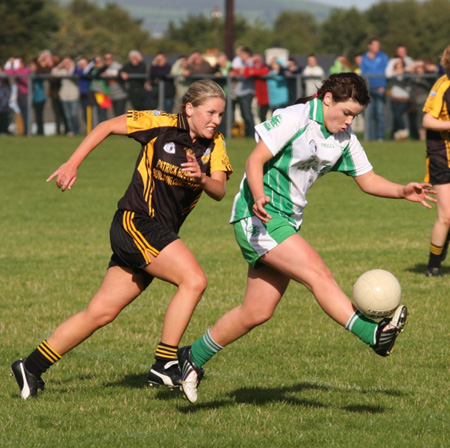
point(258, 317)
point(101, 317)
point(446, 220)
point(196, 282)
point(322, 275)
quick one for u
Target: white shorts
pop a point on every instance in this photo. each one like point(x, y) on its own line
point(256, 238)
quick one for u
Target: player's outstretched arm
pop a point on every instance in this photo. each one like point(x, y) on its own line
point(66, 174)
point(376, 185)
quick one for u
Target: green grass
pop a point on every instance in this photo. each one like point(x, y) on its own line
point(299, 380)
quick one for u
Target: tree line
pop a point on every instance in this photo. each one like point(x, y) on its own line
point(82, 27)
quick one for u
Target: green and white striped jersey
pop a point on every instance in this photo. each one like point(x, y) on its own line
point(303, 150)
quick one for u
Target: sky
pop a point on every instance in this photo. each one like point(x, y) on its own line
point(360, 4)
point(157, 23)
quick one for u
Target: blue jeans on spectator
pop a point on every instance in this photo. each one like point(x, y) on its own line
point(100, 114)
point(245, 105)
point(84, 103)
point(119, 106)
point(39, 116)
point(399, 116)
point(375, 113)
point(70, 109)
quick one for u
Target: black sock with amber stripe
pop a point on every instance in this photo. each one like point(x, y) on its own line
point(435, 256)
point(165, 353)
point(41, 359)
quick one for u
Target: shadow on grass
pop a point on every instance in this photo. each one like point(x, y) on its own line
point(198, 407)
point(132, 381)
point(139, 381)
point(260, 396)
point(364, 409)
point(420, 268)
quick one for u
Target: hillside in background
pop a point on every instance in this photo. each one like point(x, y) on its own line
point(157, 14)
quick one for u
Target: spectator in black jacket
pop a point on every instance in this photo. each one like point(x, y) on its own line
point(159, 70)
point(134, 83)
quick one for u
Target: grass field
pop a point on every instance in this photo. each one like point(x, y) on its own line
point(299, 380)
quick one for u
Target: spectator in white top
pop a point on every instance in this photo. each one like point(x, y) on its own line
point(313, 75)
point(116, 85)
point(69, 94)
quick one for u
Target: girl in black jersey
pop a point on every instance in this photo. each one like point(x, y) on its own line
point(436, 121)
point(181, 156)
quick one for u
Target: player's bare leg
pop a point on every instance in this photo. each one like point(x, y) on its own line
point(175, 264)
point(119, 288)
point(440, 231)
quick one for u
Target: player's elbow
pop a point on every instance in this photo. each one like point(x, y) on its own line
point(217, 194)
point(220, 196)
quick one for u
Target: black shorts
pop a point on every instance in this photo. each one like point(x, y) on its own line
point(133, 236)
point(437, 171)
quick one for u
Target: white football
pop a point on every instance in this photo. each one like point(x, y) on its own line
point(377, 293)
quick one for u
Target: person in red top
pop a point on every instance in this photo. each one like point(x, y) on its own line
point(17, 66)
point(258, 69)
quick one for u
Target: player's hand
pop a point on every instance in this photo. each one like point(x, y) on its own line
point(191, 168)
point(66, 175)
point(417, 192)
point(259, 210)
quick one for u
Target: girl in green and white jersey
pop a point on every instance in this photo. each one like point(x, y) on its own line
point(294, 148)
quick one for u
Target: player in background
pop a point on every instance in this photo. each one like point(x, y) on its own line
point(181, 156)
point(294, 148)
point(436, 121)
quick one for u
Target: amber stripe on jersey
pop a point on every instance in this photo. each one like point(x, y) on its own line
point(141, 243)
point(48, 352)
point(191, 206)
point(446, 138)
point(146, 174)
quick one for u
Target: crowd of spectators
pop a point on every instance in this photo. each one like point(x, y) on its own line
point(82, 92)
point(403, 81)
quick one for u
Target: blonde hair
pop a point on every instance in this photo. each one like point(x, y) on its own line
point(445, 59)
point(201, 91)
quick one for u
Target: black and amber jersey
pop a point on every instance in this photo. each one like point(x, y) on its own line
point(438, 106)
point(159, 187)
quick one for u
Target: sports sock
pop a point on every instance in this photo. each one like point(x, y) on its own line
point(445, 250)
point(435, 256)
point(203, 349)
point(165, 353)
point(363, 327)
point(41, 359)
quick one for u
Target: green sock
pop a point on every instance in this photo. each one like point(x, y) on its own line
point(363, 327)
point(203, 349)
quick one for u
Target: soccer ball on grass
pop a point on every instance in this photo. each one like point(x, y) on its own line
point(377, 293)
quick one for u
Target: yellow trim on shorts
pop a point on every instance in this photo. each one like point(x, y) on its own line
point(427, 170)
point(141, 243)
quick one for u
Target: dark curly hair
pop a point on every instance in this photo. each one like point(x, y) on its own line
point(343, 87)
